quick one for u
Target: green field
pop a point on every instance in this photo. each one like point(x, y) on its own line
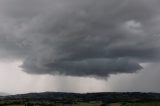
point(93, 103)
point(137, 104)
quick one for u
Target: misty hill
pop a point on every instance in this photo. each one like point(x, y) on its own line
point(3, 94)
point(106, 97)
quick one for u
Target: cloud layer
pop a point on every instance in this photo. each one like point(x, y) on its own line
point(80, 38)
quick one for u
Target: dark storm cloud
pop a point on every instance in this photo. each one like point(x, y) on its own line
point(80, 38)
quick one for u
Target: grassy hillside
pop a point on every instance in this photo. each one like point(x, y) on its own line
point(95, 103)
point(89, 99)
point(157, 103)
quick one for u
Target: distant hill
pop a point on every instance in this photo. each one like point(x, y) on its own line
point(3, 94)
point(104, 96)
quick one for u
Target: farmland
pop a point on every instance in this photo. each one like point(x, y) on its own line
point(95, 103)
point(89, 99)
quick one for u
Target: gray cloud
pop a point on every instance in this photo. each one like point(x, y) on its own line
point(145, 81)
point(80, 38)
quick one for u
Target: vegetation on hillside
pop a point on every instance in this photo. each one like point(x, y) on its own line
point(89, 99)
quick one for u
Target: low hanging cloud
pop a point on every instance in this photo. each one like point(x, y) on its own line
point(80, 38)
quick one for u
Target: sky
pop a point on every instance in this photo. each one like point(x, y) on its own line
point(79, 46)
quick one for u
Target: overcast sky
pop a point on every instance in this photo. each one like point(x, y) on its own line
point(79, 45)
